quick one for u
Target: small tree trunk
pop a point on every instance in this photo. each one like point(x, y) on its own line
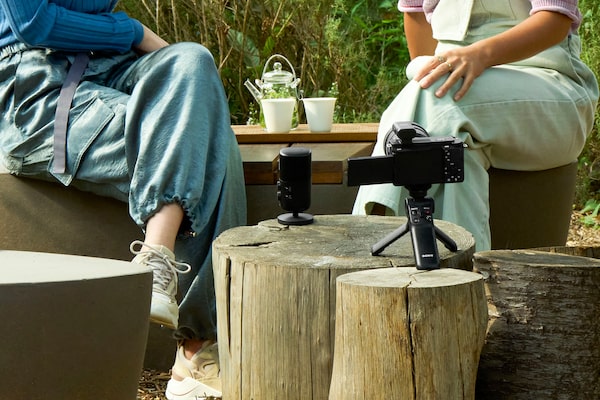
point(543, 337)
point(408, 334)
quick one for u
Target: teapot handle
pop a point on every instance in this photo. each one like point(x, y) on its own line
point(283, 58)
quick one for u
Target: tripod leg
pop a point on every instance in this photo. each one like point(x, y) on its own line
point(447, 240)
point(390, 238)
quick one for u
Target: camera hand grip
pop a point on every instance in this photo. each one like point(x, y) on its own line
point(422, 232)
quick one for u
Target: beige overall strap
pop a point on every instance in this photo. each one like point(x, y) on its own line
point(450, 19)
point(62, 111)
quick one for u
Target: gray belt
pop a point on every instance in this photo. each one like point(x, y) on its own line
point(63, 106)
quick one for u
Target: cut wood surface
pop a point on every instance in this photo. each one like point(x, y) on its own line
point(275, 288)
point(401, 333)
point(356, 132)
point(543, 338)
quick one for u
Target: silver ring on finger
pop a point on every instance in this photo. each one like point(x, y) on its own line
point(450, 67)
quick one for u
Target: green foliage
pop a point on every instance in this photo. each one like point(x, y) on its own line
point(590, 213)
point(588, 187)
point(359, 47)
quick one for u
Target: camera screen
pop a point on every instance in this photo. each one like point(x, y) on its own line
point(419, 165)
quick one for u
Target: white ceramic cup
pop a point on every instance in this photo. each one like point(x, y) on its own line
point(319, 113)
point(278, 114)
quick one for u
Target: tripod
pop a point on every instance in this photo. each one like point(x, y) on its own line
point(423, 233)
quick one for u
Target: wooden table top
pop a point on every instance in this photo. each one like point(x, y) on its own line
point(329, 151)
point(359, 132)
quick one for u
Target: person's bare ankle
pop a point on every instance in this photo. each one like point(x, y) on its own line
point(191, 347)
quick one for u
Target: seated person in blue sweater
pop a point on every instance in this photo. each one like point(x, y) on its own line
point(148, 123)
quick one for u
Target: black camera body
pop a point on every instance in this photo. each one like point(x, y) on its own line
point(412, 158)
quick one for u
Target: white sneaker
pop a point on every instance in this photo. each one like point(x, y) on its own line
point(198, 378)
point(163, 309)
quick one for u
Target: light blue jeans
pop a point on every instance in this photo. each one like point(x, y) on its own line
point(149, 131)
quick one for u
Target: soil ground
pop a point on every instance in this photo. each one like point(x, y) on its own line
point(581, 235)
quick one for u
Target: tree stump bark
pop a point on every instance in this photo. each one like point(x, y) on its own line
point(543, 338)
point(275, 288)
point(401, 333)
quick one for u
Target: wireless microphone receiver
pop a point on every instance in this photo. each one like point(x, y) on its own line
point(294, 185)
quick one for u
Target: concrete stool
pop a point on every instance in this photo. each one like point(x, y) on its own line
point(72, 327)
point(43, 216)
point(47, 217)
point(530, 209)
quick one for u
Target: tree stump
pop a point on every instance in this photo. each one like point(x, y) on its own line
point(275, 288)
point(401, 333)
point(543, 338)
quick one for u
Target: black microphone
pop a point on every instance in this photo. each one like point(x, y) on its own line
point(294, 185)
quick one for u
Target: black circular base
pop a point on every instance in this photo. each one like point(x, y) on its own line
point(295, 219)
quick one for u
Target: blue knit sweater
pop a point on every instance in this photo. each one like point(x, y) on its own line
point(71, 25)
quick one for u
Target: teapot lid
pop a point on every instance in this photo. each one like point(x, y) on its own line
point(278, 75)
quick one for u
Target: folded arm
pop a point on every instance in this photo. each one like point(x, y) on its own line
point(44, 24)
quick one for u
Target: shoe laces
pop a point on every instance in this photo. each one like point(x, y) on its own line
point(164, 267)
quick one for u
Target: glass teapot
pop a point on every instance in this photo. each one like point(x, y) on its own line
point(275, 84)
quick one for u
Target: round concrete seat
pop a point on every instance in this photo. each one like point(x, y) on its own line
point(530, 209)
point(47, 217)
point(73, 327)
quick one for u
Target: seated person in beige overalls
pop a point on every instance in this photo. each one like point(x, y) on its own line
point(505, 77)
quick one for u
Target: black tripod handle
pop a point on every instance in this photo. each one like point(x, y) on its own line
point(447, 240)
point(423, 240)
point(423, 234)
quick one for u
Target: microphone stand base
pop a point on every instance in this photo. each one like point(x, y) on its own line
point(295, 219)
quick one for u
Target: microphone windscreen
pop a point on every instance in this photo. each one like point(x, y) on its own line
point(295, 178)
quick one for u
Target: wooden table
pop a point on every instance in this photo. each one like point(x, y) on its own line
point(330, 151)
point(355, 132)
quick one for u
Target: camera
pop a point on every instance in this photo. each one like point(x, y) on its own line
point(412, 158)
point(415, 160)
